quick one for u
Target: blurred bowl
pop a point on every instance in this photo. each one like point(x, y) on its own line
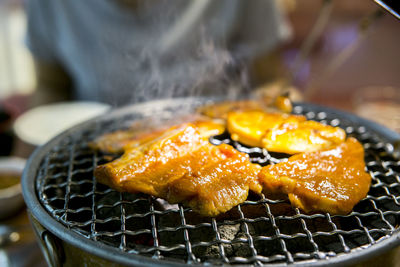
point(11, 200)
point(40, 124)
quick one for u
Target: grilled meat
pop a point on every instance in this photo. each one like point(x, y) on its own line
point(330, 180)
point(140, 133)
point(218, 185)
point(116, 141)
point(180, 165)
point(220, 110)
point(279, 132)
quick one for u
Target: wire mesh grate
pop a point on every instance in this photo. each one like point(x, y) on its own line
point(258, 231)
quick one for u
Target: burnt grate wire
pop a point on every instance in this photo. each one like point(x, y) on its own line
point(259, 231)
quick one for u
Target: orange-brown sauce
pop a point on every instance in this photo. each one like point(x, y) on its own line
point(279, 132)
point(182, 166)
point(332, 180)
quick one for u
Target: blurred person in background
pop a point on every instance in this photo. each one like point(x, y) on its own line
point(122, 51)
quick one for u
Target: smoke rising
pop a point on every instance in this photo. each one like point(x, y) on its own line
point(198, 64)
point(207, 71)
point(188, 48)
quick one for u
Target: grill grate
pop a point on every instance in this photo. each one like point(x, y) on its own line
point(257, 232)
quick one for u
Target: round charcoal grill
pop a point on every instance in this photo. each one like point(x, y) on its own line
point(76, 217)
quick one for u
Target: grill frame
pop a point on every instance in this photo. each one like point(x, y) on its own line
point(115, 255)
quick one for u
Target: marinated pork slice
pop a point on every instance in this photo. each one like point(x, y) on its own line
point(218, 186)
point(183, 153)
point(116, 141)
point(332, 180)
point(295, 137)
point(280, 132)
point(220, 110)
point(139, 133)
